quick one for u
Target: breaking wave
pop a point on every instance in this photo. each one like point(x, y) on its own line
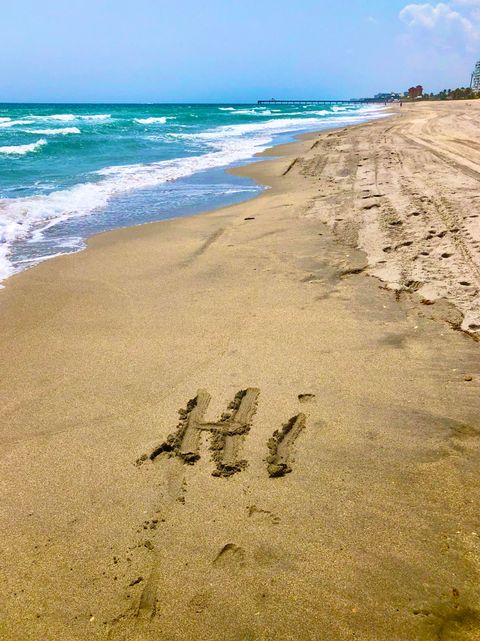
point(27, 218)
point(20, 150)
point(150, 121)
point(55, 132)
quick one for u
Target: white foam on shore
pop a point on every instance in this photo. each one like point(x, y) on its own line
point(29, 217)
point(64, 131)
point(258, 134)
point(20, 150)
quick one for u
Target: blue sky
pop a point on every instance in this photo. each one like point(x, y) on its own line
point(232, 50)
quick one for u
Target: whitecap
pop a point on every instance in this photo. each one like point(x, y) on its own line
point(64, 131)
point(60, 117)
point(95, 117)
point(70, 117)
point(20, 150)
point(12, 123)
point(30, 216)
point(161, 120)
point(255, 111)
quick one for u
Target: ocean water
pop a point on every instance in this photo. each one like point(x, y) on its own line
point(70, 171)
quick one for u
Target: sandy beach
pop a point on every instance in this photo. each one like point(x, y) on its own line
point(260, 423)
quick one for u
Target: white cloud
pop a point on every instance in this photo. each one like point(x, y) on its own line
point(443, 27)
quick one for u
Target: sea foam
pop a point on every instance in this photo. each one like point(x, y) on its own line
point(64, 131)
point(95, 117)
point(60, 117)
point(20, 150)
point(70, 117)
point(29, 217)
point(13, 123)
point(161, 120)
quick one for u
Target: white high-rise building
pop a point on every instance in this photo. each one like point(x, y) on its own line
point(475, 83)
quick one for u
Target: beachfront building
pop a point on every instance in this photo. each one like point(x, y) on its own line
point(388, 97)
point(475, 81)
point(415, 92)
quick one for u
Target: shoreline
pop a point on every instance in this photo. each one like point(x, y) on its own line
point(172, 213)
point(268, 180)
point(337, 496)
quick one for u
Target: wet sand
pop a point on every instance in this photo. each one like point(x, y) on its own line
point(321, 478)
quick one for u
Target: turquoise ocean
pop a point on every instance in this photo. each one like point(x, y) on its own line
point(70, 171)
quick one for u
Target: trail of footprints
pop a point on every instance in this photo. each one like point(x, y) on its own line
point(228, 434)
point(184, 445)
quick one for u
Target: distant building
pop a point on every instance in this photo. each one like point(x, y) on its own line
point(475, 82)
point(387, 97)
point(415, 92)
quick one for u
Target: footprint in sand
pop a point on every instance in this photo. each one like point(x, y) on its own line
point(265, 516)
point(231, 556)
point(200, 602)
point(306, 398)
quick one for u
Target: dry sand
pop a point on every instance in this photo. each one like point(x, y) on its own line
point(337, 498)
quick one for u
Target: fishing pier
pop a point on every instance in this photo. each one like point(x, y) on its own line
point(274, 101)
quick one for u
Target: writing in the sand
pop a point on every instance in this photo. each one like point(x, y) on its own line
point(228, 434)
